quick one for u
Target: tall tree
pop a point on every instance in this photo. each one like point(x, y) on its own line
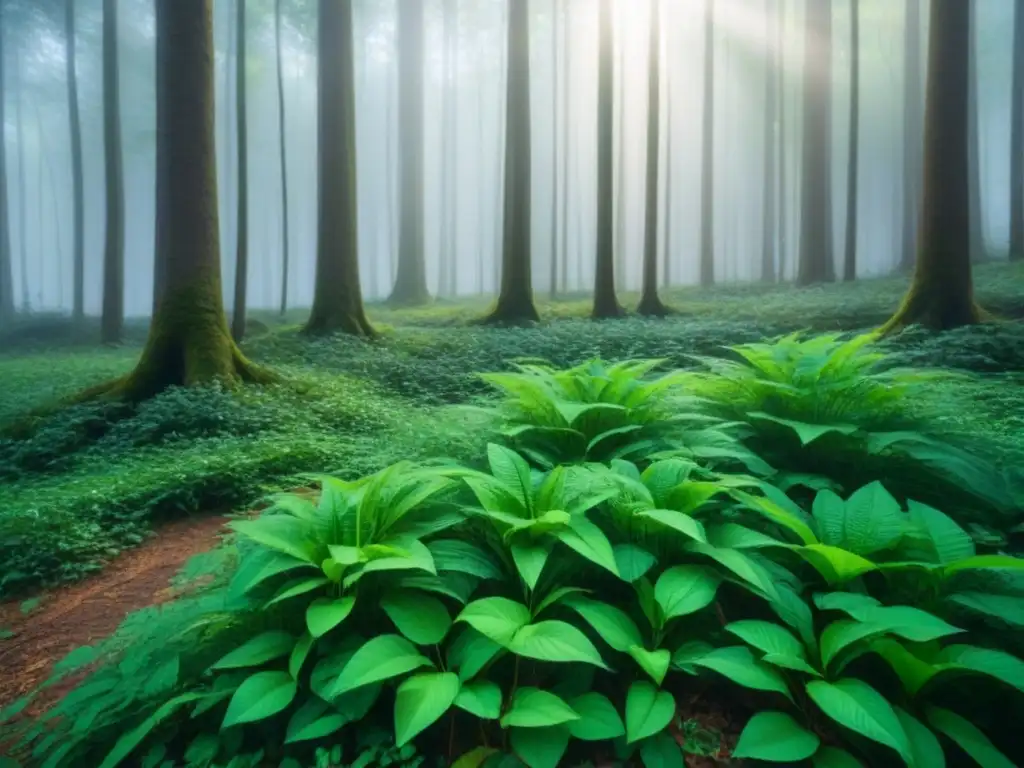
point(411, 281)
point(974, 148)
point(19, 133)
point(941, 294)
point(770, 178)
point(912, 132)
point(113, 254)
point(515, 297)
point(282, 135)
point(553, 276)
point(1017, 139)
point(780, 41)
point(6, 268)
point(77, 183)
point(650, 302)
point(707, 181)
point(853, 151)
point(620, 170)
point(337, 298)
point(242, 147)
point(606, 304)
point(816, 262)
point(567, 124)
point(447, 271)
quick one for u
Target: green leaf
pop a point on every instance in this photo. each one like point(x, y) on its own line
point(512, 471)
point(686, 654)
point(598, 720)
point(475, 758)
point(984, 562)
point(471, 652)
point(924, 746)
point(557, 597)
point(950, 542)
point(967, 736)
point(734, 536)
point(632, 561)
point(420, 701)
point(555, 641)
point(844, 601)
point(689, 497)
point(540, 747)
point(310, 722)
point(299, 653)
point(739, 665)
point(257, 651)
point(807, 433)
point(283, 533)
point(873, 521)
point(324, 614)
point(834, 757)
point(790, 662)
point(497, 618)
point(127, 743)
point(648, 711)
point(1006, 608)
point(382, 658)
point(986, 661)
point(530, 560)
point(750, 572)
point(767, 637)
point(836, 566)
point(262, 695)
point(855, 705)
point(775, 737)
point(675, 521)
point(910, 623)
point(661, 751)
point(777, 514)
point(613, 625)
point(654, 663)
point(421, 618)
point(463, 557)
point(589, 541)
point(534, 708)
point(840, 635)
point(297, 587)
point(481, 698)
point(685, 589)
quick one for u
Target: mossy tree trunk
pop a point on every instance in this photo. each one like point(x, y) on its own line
point(853, 149)
point(707, 180)
point(337, 297)
point(912, 132)
point(19, 138)
point(566, 125)
point(770, 178)
point(1017, 139)
point(6, 268)
point(411, 281)
point(780, 37)
point(113, 254)
point(242, 147)
point(974, 149)
point(282, 135)
point(650, 302)
point(941, 295)
point(606, 304)
point(78, 200)
point(515, 297)
point(553, 264)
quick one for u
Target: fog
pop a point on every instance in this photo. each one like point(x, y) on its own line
point(39, 167)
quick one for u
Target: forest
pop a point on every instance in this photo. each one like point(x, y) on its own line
point(511, 383)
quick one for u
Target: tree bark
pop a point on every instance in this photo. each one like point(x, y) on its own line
point(553, 274)
point(974, 149)
point(707, 188)
point(242, 147)
point(606, 303)
point(411, 282)
point(19, 128)
point(853, 156)
point(650, 302)
point(620, 172)
point(446, 255)
point(337, 298)
point(283, 152)
point(515, 298)
point(912, 133)
point(566, 125)
point(941, 295)
point(666, 256)
point(768, 195)
point(112, 321)
point(75, 124)
point(6, 268)
point(816, 263)
point(1017, 139)
point(780, 41)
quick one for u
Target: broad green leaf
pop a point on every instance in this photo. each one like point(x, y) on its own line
point(986, 661)
point(382, 658)
point(262, 695)
point(836, 566)
point(470, 652)
point(310, 722)
point(735, 536)
point(829, 512)
point(300, 651)
point(599, 720)
point(685, 589)
point(924, 746)
point(555, 641)
point(685, 656)
point(834, 757)
point(841, 634)
point(481, 698)
point(534, 708)
point(262, 565)
point(654, 663)
point(689, 497)
point(557, 597)
point(127, 743)
point(1007, 608)
point(661, 751)
point(739, 665)
point(807, 432)
point(873, 520)
point(540, 747)
point(950, 542)
point(497, 618)
point(613, 625)
point(416, 558)
point(648, 711)
point(512, 471)
point(794, 663)
point(767, 637)
point(844, 601)
point(475, 758)
point(632, 561)
point(984, 562)
point(324, 614)
point(298, 587)
point(905, 621)
point(589, 541)
point(258, 650)
point(967, 736)
point(775, 737)
point(282, 533)
point(676, 521)
point(421, 618)
point(530, 560)
point(777, 514)
point(420, 701)
point(855, 705)
point(748, 571)
point(463, 557)
point(793, 609)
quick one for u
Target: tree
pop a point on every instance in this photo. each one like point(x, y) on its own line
point(567, 123)
point(448, 268)
point(1017, 139)
point(707, 183)
point(941, 294)
point(974, 147)
point(768, 196)
point(112, 320)
point(337, 297)
point(411, 281)
point(650, 302)
point(816, 263)
point(912, 132)
point(853, 152)
point(19, 133)
point(553, 276)
point(6, 268)
point(242, 147)
point(78, 200)
point(283, 151)
point(606, 304)
point(780, 41)
point(515, 298)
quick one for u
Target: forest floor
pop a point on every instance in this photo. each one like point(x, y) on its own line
point(81, 496)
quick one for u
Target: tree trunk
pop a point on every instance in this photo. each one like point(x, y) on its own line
point(1017, 139)
point(411, 282)
point(553, 274)
point(389, 162)
point(707, 183)
point(75, 123)
point(242, 147)
point(19, 128)
point(666, 256)
point(453, 120)
point(771, 86)
point(499, 172)
point(974, 149)
point(816, 263)
point(227, 180)
point(6, 268)
point(620, 172)
point(780, 41)
point(941, 295)
point(113, 254)
point(650, 302)
point(337, 299)
point(606, 304)
point(912, 133)
point(446, 257)
point(853, 161)
point(566, 125)
point(283, 151)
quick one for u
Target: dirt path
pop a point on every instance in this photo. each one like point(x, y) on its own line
point(83, 613)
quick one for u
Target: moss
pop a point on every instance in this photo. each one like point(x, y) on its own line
point(935, 305)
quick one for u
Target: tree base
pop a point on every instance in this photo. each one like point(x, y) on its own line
point(935, 311)
point(354, 324)
point(512, 313)
point(652, 306)
point(403, 298)
point(609, 311)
